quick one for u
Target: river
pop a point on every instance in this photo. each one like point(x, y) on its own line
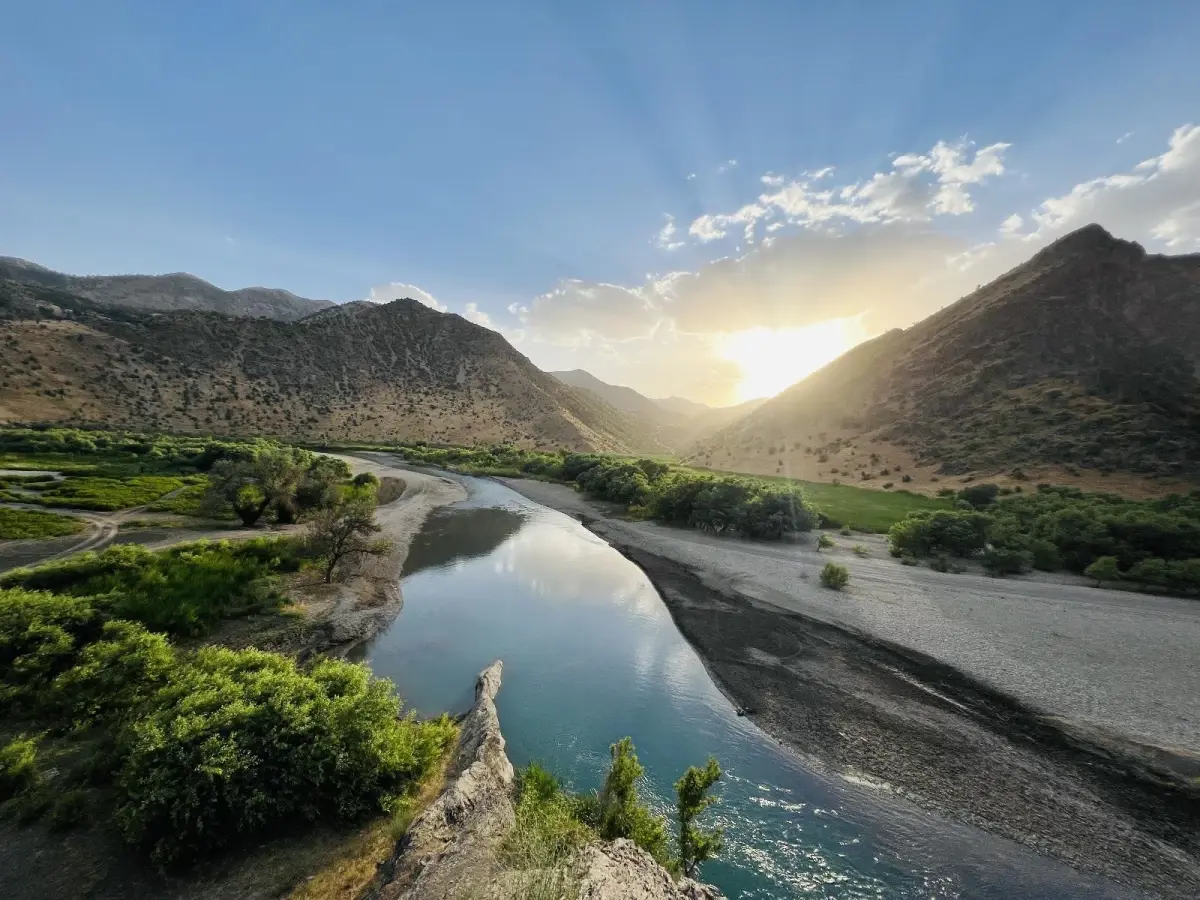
point(591, 655)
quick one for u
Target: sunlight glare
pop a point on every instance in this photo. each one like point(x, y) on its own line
point(772, 360)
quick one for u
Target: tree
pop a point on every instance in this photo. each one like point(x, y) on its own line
point(342, 531)
point(835, 577)
point(980, 495)
point(1104, 569)
point(621, 814)
point(692, 799)
point(253, 485)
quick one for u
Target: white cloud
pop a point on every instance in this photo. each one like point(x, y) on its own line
point(1126, 136)
point(691, 176)
point(711, 228)
point(474, 314)
point(1159, 199)
point(666, 235)
point(726, 166)
point(821, 173)
point(396, 290)
point(773, 180)
point(1012, 225)
point(577, 311)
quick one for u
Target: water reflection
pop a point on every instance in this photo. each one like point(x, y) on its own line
point(591, 655)
point(449, 536)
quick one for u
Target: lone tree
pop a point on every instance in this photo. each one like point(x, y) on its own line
point(693, 798)
point(1103, 569)
point(251, 486)
point(621, 814)
point(343, 530)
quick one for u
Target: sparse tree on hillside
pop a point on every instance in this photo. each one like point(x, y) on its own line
point(343, 530)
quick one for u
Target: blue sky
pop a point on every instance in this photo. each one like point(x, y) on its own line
point(486, 152)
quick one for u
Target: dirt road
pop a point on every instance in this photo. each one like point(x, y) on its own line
point(1049, 712)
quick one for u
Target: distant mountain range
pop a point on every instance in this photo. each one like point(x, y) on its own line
point(676, 422)
point(1084, 359)
point(178, 291)
point(396, 371)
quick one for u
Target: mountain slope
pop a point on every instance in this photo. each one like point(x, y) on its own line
point(393, 371)
point(177, 291)
point(621, 397)
point(1085, 356)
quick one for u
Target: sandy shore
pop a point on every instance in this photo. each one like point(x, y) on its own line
point(1047, 711)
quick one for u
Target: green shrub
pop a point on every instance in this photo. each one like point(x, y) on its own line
point(90, 492)
point(908, 560)
point(40, 638)
point(834, 576)
point(940, 562)
point(242, 742)
point(1000, 561)
point(1104, 569)
point(1045, 555)
point(184, 590)
point(1152, 572)
point(824, 542)
point(70, 808)
point(958, 532)
point(362, 479)
point(980, 495)
point(860, 550)
point(116, 675)
point(692, 798)
point(18, 767)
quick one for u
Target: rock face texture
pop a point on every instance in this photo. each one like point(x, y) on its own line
point(450, 850)
point(622, 870)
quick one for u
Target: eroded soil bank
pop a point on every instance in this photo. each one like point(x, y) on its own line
point(877, 709)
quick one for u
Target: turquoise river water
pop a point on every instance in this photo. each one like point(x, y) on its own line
point(591, 655)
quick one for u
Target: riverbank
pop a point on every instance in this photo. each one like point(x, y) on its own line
point(982, 699)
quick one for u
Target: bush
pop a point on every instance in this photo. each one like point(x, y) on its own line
point(860, 550)
point(834, 576)
point(242, 742)
point(33, 524)
point(362, 479)
point(824, 542)
point(71, 808)
point(1045, 555)
point(18, 767)
point(40, 638)
point(1152, 572)
point(1000, 561)
point(957, 532)
point(621, 814)
point(1104, 569)
point(116, 675)
point(184, 590)
point(980, 495)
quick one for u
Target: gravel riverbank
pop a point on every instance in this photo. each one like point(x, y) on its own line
point(1044, 710)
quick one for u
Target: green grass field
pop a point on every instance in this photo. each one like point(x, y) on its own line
point(93, 492)
point(27, 524)
point(858, 508)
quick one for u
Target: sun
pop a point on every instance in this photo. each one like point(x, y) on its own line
point(773, 360)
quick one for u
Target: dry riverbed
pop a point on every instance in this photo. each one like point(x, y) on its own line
point(1065, 717)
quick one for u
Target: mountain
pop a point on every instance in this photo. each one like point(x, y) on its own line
point(675, 422)
point(623, 398)
point(164, 292)
point(1082, 360)
point(363, 371)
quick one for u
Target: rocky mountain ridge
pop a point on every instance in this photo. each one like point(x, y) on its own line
point(176, 291)
point(396, 371)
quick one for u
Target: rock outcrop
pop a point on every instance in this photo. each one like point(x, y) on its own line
point(451, 849)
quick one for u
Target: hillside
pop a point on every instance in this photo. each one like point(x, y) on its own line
point(674, 421)
point(1082, 360)
point(178, 291)
point(393, 371)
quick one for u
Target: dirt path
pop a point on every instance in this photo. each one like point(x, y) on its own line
point(1048, 712)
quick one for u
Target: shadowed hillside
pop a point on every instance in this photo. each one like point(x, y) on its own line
point(1084, 357)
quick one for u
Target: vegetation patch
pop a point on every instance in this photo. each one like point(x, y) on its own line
point(93, 492)
point(32, 524)
point(1149, 544)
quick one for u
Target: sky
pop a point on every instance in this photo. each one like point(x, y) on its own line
point(703, 200)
